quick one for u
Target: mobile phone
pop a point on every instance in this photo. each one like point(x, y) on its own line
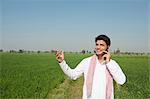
point(104, 54)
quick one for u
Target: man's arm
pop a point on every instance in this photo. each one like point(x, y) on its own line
point(116, 72)
point(114, 69)
point(71, 73)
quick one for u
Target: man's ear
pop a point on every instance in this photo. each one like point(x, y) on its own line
point(108, 48)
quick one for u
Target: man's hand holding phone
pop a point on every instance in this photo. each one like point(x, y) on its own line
point(106, 56)
point(59, 56)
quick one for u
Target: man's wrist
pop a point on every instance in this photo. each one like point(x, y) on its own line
point(60, 61)
point(108, 63)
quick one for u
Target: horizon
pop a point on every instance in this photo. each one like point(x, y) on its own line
point(50, 51)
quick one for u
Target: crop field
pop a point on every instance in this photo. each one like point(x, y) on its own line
point(33, 75)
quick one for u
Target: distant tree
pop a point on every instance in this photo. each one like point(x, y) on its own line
point(1, 50)
point(87, 51)
point(53, 51)
point(117, 51)
point(12, 51)
point(21, 51)
point(38, 52)
point(83, 51)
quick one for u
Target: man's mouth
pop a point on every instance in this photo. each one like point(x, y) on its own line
point(98, 51)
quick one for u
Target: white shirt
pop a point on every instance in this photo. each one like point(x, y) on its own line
point(99, 79)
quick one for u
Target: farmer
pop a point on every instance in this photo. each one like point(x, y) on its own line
point(99, 71)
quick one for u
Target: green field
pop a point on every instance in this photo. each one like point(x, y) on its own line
point(37, 75)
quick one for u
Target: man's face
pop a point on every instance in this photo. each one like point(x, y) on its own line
point(100, 46)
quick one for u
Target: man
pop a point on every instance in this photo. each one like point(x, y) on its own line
point(99, 71)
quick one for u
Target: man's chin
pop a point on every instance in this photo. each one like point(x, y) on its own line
point(98, 53)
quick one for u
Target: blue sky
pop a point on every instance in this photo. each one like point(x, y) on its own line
point(72, 25)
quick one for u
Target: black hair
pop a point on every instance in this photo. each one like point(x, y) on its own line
point(105, 38)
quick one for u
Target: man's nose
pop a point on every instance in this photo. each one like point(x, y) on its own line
point(98, 47)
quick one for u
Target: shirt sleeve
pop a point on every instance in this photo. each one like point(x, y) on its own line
point(72, 73)
point(116, 72)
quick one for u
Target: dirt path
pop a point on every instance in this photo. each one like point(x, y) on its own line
point(67, 90)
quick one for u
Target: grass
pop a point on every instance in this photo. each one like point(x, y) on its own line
point(39, 76)
point(28, 75)
point(136, 69)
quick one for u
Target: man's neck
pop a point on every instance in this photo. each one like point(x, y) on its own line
point(100, 59)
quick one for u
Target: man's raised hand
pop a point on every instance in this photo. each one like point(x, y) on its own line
point(59, 56)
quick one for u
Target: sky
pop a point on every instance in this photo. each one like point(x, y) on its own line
point(72, 25)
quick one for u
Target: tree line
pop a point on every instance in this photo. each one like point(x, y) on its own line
point(116, 52)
